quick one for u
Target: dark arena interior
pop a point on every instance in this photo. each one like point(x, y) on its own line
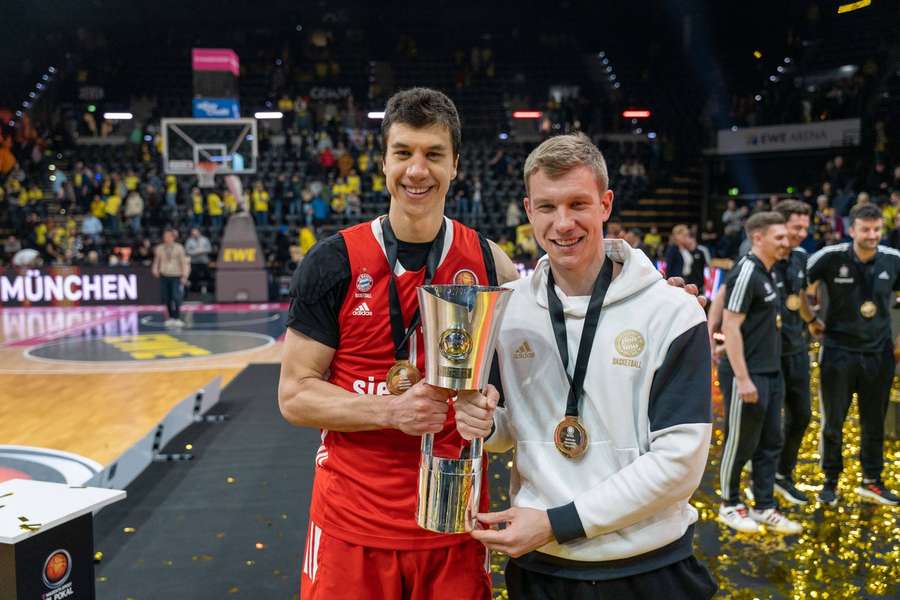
point(185, 186)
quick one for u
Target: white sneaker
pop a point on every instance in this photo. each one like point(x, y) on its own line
point(177, 323)
point(775, 521)
point(169, 323)
point(736, 518)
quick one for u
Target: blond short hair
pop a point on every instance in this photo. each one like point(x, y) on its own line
point(562, 153)
point(680, 229)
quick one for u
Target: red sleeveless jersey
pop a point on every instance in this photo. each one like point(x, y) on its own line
point(366, 482)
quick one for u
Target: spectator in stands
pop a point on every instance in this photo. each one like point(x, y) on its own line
point(879, 180)
point(229, 202)
point(892, 238)
point(475, 215)
point(679, 256)
point(526, 245)
point(171, 191)
point(828, 227)
point(731, 218)
point(306, 239)
point(293, 192)
point(700, 258)
point(197, 207)
point(98, 207)
point(11, 246)
point(111, 216)
point(890, 210)
point(513, 216)
point(260, 199)
point(216, 209)
point(837, 174)
point(709, 237)
point(653, 241)
point(506, 245)
point(134, 209)
point(614, 230)
point(143, 253)
point(279, 195)
point(635, 239)
point(353, 205)
point(197, 247)
point(92, 227)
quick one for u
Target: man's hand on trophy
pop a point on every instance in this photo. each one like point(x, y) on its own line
point(690, 288)
point(419, 410)
point(475, 412)
point(526, 529)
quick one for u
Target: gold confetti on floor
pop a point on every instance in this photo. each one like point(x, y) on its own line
point(850, 551)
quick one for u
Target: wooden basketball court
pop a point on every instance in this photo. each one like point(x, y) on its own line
point(93, 381)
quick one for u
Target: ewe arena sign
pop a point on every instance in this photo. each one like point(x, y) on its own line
point(787, 138)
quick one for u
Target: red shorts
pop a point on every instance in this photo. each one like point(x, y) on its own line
point(333, 568)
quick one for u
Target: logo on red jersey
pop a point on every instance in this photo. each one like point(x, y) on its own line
point(465, 277)
point(364, 282)
point(362, 310)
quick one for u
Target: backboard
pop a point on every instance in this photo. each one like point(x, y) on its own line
point(232, 144)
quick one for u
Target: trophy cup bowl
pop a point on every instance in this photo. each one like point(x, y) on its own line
point(460, 325)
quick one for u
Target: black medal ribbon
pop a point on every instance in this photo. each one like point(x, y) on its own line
point(867, 281)
point(591, 318)
point(399, 332)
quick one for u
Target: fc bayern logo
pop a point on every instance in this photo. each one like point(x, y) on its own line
point(57, 569)
point(364, 282)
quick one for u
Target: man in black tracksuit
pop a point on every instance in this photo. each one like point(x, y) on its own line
point(790, 279)
point(858, 351)
point(750, 379)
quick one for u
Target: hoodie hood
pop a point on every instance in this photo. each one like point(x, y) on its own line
point(637, 274)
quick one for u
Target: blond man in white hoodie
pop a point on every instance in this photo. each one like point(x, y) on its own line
point(605, 372)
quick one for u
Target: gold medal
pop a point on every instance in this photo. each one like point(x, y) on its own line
point(402, 376)
point(793, 302)
point(571, 437)
point(868, 309)
point(777, 320)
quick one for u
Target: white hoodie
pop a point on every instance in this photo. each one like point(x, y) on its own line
point(646, 407)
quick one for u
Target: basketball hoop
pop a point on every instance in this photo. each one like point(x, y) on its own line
point(206, 174)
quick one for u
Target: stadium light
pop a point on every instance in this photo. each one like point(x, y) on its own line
point(636, 114)
point(269, 115)
point(757, 54)
point(526, 114)
point(121, 116)
point(376, 114)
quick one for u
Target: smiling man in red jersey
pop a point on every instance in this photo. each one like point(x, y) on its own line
point(353, 358)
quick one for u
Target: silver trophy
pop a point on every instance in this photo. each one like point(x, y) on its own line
point(460, 324)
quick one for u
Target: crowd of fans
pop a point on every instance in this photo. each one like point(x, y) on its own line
point(837, 189)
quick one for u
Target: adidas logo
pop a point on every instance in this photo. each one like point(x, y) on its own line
point(884, 275)
point(362, 310)
point(523, 351)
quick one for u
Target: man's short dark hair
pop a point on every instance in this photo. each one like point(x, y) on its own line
point(421, 107)
point(762, 221)
point(865, 212)
point(789, 207)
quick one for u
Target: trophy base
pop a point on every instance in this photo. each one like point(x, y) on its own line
point(449, 491)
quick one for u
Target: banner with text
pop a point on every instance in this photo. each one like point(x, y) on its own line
point(78, 286)
point(788, 138)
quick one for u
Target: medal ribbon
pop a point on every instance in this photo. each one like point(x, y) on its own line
point(867, 280)
point(558, 320)
point(399, 333)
